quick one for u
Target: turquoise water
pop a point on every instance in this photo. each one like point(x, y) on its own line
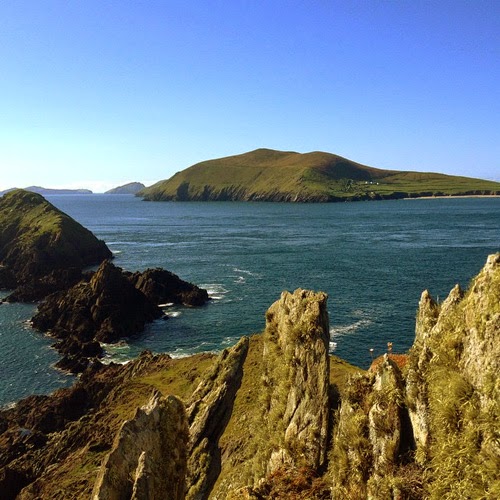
point(373, 259)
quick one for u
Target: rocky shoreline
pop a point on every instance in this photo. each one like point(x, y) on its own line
point(276, 416)
point(42, 250)
point(106, 307)
point(44, 254)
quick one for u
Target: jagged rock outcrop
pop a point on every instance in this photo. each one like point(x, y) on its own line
point(104, 309)
point(453, 390)
point(283, 404)
point(209, 410)
point(260, 415)
point(447, 403)
point(161, 286)
point(296, 379)
point(372, 438)
point(107, 306)
point(53, 446)
point(148, 459)
point(37, 241)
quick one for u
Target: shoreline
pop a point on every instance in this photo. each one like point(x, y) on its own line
point(452, 196)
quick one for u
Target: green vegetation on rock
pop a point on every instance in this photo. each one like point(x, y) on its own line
point(268, 175)
point(277, 417)
point(36, 238)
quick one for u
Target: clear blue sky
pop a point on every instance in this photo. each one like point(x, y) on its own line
point(98, 93)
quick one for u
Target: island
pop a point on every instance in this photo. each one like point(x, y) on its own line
point(269, 175)
point(130, 188)
point(49, 191)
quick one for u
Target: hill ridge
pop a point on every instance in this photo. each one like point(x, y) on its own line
point(271, 175)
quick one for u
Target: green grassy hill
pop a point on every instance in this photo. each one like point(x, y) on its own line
point(268, 175)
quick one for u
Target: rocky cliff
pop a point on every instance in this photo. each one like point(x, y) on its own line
point(430, 430)
point(276, 417)
point(41, 248)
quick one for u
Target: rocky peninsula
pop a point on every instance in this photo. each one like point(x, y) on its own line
point(276, 417)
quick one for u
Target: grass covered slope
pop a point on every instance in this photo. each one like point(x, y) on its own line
point(268, 175)
point(36, 238)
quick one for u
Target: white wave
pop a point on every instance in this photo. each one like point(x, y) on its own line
point(240, 280)
point(174, 314)
point(117, 346)
point(116, 252)
point(168, 304)
point(244, 271)
point(333, 346)
point(118, 353)
point(337, 331)
point(110, 359)
point(182, 352)
point(216, 291)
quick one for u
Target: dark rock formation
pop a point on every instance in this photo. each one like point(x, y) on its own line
point(161, 287)
point(105, 309)
point(107, 306)
point(40, 287)
point(37, 242)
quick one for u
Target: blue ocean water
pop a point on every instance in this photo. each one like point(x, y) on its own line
point(372, 258)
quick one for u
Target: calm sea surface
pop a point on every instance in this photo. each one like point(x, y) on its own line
point(373, 259)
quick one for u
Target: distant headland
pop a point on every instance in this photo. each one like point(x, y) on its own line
point(269, 175)
point(45, 191)
point(130, 188)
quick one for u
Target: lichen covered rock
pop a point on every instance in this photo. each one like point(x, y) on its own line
point(148, 459)
point(209, 410)
point(296, 379)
